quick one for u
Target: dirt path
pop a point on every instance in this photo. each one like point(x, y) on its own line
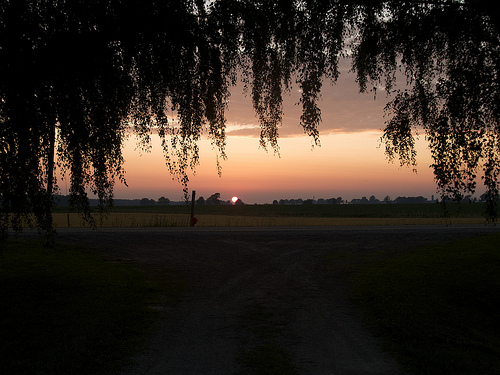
point(259, 288)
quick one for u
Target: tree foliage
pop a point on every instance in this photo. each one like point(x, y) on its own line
point(449, 53)
point(213, 199)
point(78, 77)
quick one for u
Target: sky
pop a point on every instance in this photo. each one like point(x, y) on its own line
point(350, 163)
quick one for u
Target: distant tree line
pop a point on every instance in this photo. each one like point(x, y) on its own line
point(214, 199)
point(299, 201)
point(374, 200)
point(387, 199)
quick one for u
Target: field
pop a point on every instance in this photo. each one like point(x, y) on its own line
point(279, 215)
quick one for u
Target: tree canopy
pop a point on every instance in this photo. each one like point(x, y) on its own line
point(77, 77)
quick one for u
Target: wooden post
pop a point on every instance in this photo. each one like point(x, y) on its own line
point(193, 219)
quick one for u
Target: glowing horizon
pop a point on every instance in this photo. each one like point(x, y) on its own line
point(346, 165)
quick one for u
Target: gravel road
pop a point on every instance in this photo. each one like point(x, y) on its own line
point(252, 287)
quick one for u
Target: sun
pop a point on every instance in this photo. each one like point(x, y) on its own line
point(234, 199)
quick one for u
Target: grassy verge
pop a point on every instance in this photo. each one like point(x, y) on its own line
point(437, 307)
point(65, 311)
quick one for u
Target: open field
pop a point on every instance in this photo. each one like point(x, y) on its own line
point(317, 210)
point(144, 220)
point(280, 215)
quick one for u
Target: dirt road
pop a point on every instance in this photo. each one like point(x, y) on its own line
point(252, 289)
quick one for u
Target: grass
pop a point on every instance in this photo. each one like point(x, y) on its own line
point(67, 311)
point(436, 307)
point(424, 210)
point(280, 215)
point(146, 220)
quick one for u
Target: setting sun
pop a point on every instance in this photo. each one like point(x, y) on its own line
point(234, 199)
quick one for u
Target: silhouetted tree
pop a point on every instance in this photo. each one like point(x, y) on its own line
point(147, 202)
point(200, 201)
point(162, 201)
point(338, 200)
point(76, 76)
point(418, 199)
point(213, 199)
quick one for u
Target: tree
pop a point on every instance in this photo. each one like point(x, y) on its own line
point(76, 77)
point(337, 200)
point(147, 202)
point(200, 201)
point(162, 201)
point(213, 199)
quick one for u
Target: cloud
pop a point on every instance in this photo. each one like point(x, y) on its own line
point(243, 129)
point(343, 109)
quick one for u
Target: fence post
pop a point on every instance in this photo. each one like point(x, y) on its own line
point(193, 220)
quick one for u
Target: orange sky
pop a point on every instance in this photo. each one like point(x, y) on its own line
point(346, 165)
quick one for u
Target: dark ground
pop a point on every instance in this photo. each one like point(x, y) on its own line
point(252, 287)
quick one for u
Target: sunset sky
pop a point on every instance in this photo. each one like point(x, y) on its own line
point(350, 162)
